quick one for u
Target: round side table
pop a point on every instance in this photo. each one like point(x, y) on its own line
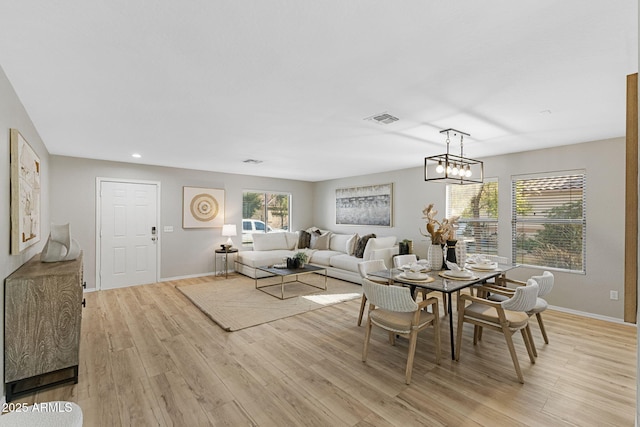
point(226, 253)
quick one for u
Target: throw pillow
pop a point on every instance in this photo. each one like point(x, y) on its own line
point(304, 241)
point(351, 244)
point(362, 244)
point(320, 242)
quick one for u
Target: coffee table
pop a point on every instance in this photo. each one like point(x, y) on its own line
point(285, 273)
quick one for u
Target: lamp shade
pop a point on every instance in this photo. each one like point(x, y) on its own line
point(229, 230)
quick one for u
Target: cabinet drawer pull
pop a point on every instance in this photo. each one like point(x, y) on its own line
point(84, 302)
point(84, 285)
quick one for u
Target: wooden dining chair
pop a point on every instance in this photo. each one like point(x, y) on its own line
point(508, 317)
point(545, 283)
point(364, 268)
point(393, 309)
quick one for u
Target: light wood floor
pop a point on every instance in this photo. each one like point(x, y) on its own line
point(149, 357)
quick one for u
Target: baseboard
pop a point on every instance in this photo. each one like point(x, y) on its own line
point(190, 276)
point(591, 315)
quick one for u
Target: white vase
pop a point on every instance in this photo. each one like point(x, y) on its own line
point(435, 256)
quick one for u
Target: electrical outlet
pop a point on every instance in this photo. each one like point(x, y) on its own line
point(613, 295)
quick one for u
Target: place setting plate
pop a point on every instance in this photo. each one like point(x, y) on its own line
point(484, 267)
point(422, 278)
point(448, 274)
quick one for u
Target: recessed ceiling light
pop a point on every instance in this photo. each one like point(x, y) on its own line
point(545, 112)
point(136, 155)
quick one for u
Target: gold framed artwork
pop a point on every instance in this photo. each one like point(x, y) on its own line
point(25, 194)
point(366, 205)
point(202, 207)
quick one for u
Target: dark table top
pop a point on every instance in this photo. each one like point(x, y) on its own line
point(443, 284)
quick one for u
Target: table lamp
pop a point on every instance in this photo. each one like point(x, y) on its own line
point(228, 230)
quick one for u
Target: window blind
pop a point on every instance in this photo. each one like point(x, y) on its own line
point(477, 207)
point(549, 221)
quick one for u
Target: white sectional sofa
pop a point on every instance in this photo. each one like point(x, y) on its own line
point(338, 257)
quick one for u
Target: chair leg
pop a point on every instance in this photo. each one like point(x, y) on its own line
point(436, 333)
point(363, 303)
point(528, 343)
point(476, 330)
point(544, 333)
point(512, 351)
point(413, 338)
point(367, 336)
point(392, 338)
point(459, 331)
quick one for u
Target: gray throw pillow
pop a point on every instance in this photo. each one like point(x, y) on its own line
point(362, 243)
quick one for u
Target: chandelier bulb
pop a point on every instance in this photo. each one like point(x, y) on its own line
point(439, 168)
point(455, 169)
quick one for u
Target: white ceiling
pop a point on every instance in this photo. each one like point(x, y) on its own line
point(206, 84)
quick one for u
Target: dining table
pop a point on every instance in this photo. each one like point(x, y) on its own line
point(442, 282)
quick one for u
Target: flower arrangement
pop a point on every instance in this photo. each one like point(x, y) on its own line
point(446, 228)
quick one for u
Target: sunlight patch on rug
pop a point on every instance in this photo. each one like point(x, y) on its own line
point(236, 304)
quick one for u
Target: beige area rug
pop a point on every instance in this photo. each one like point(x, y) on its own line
point(236, 304)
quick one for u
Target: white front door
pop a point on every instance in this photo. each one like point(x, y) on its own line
point(128, 234)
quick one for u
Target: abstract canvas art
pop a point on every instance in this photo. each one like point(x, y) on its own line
point(367, 205)
point(25, 194)
point(202, 207)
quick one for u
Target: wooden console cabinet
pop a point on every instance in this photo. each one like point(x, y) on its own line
point(42, 316)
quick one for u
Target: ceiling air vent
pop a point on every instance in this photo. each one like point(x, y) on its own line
point(252, 161)
point(383, 118)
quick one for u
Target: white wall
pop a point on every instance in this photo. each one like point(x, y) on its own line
point(184, 252)
point(604, 165)
point(13, 115)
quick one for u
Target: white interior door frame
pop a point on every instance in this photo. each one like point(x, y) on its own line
point(99, 181)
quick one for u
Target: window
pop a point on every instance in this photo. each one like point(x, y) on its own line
point(477, 206)
point(549, 221)
point(264, 212)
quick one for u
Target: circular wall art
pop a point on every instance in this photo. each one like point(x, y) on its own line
point(204, 207)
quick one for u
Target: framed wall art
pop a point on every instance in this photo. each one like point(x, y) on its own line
point(25, 194)
point(202, 207)
point(367, 205)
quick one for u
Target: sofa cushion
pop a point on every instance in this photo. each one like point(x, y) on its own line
point(261, 258)
point(304, 241)
point(292, 240)
point(351, 244)
point(323, 257)
point(320, 242)
point(345, 262)
point(338, 242)
point(362, 244)
point(377, 243)
point(269, 241)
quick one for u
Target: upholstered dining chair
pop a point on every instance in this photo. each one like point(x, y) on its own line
point(393, 309)
point(508, 317)
point(545, 283)
point(364, 268)
point(400, 260)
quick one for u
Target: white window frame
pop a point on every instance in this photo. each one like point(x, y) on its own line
point(488, 249)
point(578, 181)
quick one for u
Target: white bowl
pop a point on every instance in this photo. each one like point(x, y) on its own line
point(415, 275)
point(461, 273)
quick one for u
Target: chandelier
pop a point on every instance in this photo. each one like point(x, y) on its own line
point(452, 169)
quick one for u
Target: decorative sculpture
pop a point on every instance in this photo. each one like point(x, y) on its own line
point(60, 246)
